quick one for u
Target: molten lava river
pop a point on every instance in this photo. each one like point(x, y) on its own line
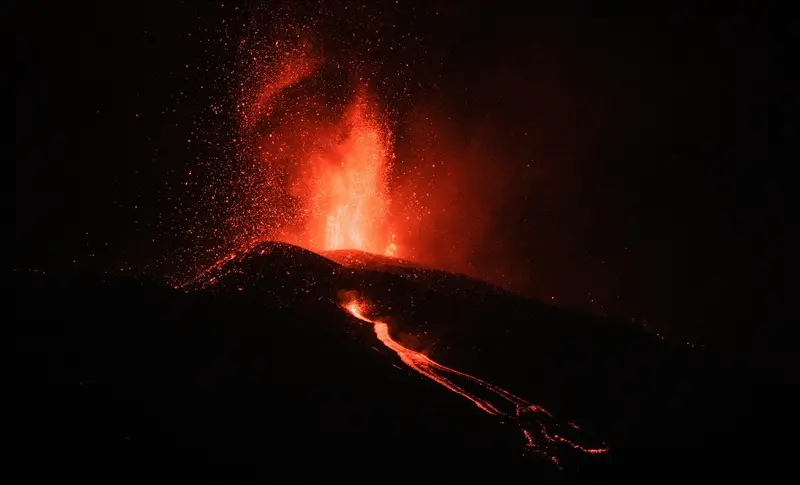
point(543, 435)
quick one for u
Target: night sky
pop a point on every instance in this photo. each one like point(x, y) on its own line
point(629, 158)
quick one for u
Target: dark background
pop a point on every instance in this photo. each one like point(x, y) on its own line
point(656, 141)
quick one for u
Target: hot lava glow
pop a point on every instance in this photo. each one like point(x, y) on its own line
point(542, 434)
point(348, 200)
point(325, 151)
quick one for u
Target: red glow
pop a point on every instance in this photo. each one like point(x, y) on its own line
point(346, 196)
point(325, 153)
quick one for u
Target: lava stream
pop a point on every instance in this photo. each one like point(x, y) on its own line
point(530, 418)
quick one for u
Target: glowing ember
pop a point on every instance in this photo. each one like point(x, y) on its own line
point(535, 422)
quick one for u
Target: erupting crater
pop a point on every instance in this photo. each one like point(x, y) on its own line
point(324, 162)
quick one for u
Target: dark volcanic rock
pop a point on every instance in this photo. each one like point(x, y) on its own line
point(256, 365)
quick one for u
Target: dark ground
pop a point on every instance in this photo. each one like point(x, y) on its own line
point(117, 379)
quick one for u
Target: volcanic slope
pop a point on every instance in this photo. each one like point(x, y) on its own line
point(651, 398)
point(258, 365)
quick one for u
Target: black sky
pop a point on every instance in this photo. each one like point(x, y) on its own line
point(655, 136)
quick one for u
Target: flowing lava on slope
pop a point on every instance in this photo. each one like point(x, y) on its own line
point(542, 433)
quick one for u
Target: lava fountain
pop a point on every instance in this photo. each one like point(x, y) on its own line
point(325, 152)
point(348, 198)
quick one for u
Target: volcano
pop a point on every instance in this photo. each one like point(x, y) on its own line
point(282, 360)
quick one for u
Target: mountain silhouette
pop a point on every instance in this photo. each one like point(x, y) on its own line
point(256, 364)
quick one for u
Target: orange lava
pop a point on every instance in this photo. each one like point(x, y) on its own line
point(324, 151)
point(535, 422)
point(348, 199)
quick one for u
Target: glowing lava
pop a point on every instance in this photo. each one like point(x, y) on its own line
point(348, 200)
point(325, 152)
point(543, 435)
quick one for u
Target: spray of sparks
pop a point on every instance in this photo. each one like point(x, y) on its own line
point(325, 162)
point(314, 145)
point(542, 434)
point(297, 143)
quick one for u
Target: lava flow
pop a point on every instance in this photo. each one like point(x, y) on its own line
point(535, 422)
